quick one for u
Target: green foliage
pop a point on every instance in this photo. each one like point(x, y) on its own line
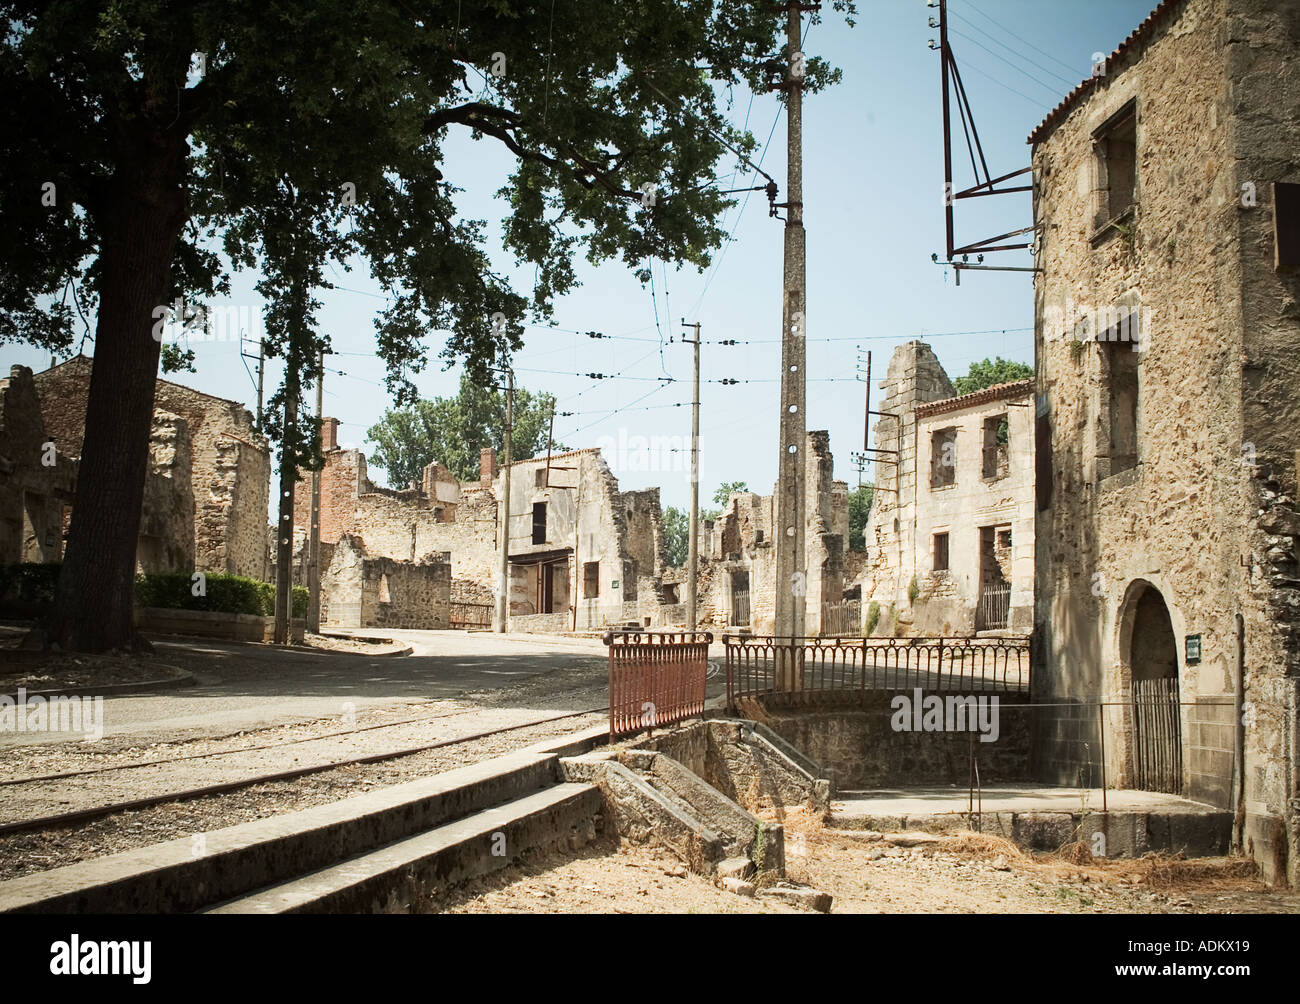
point(873, 616)
point(859, 511)
point(311, 139)
point(454, 429)
point(229, 594)
point(990, 373)
point(677, 535)
point(913, 591)
point(29, 582)
point(725, 490)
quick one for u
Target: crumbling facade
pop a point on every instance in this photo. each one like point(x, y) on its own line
point(362, 592)
point(206, 496)
point(1168, 415)
point(39, 446)
point(950, 538)
point(737, 573)
point(583, 556)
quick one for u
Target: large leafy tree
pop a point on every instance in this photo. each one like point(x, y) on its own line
point(454, 430)
point(990, 373)
point(728, 488)
point(677, 536)
point(157, 124)
point(859, 512)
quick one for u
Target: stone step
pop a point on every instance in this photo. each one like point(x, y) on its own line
point(190, 873)
point(401, 877)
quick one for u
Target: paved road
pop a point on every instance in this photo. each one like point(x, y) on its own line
point(243, 687)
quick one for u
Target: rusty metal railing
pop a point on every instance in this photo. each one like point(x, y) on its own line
point(819, 665)
point(655, 677)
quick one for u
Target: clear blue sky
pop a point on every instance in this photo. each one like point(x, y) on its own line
point(873, 176)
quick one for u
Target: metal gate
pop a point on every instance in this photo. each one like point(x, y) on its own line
point(655, 678)
point(1157, 736)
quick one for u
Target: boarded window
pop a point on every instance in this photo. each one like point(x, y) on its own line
point(943, 458)
point(941, 552)
point(590, 579)
point(539, 522)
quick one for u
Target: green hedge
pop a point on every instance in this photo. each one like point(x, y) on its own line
point(29, 582)
point(232, 594)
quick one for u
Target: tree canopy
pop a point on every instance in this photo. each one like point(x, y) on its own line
point(454, 430)
point(990, 373)
point(153, 131)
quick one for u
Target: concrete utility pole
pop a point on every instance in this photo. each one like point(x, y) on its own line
point(284, 535)
point(791, 567)
point(693, 562)
point(501, 618)
point(313, 559)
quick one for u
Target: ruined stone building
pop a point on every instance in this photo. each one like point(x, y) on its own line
point(950, 538)
point(1167, 200)
point(583, 556)
point(737, 572)
point(206, 491)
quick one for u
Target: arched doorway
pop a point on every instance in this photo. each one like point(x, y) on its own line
point(1151, 656)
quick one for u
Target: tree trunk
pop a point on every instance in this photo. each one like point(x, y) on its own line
point(141, 217)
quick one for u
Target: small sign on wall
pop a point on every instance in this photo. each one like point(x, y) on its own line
point(1192, 649)
point(614, 584)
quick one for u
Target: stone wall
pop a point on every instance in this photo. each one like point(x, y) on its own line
point(859, 748)
point(34, 494)
point(38, 484)
point(359, 591)
point(229, 469)
point(909, 508)
point(1205, 517)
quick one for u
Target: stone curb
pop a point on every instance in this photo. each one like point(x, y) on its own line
point(186, 679)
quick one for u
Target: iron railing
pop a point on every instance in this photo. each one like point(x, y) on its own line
point(994, 608)
point(470, 615)
point(842, 618)
point(655, 678)
point(809, 666)
point(740, 607)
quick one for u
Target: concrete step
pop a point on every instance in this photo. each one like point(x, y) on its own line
point(402, 876)
point(190, 873)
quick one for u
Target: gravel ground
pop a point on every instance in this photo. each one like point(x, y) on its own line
point(578, 688)
point(965, 873)
point(23, 853)
point(67, 673)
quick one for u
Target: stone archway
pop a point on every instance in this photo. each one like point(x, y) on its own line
point(1149, 652)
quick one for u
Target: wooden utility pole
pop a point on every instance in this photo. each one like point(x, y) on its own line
point(284, 534)
point(693, 561)
point(501, 616)
point(313, 558)
point(261, 378)
point(791, 566)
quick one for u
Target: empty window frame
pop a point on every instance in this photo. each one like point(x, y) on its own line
point(590, 579)
point(940, 563)
point(1115, 148)
point(539, 522)
point(997, 446)
point(539, 478)
point(943, 458)
point(1121, 399)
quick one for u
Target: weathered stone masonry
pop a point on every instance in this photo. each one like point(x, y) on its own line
point(1167, 484)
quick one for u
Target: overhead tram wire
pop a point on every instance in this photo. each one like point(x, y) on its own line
point(870, 338)
point(1018, 38)
point(996, 41)
point(998, 56)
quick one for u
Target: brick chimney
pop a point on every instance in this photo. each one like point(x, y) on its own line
point(487, 466)
point(329, 434)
